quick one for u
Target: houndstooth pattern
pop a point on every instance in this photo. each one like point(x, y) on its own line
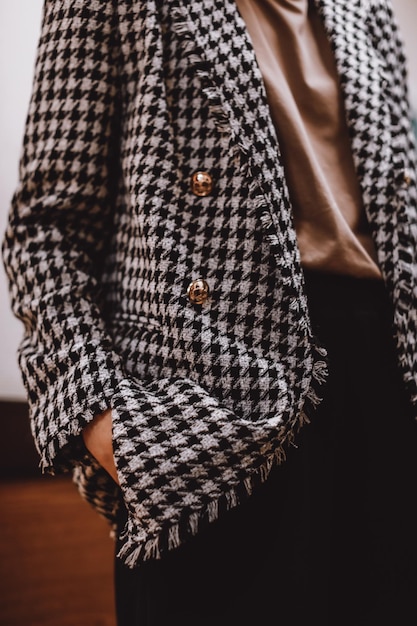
point(131, 98)
point(370, 59)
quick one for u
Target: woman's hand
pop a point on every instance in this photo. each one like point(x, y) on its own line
point(97, 437)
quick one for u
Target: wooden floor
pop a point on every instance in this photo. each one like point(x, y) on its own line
point(56, 557)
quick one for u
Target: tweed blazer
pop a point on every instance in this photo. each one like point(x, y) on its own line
point(131, 99)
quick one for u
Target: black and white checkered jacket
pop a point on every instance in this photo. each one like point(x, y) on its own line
point(131, 99)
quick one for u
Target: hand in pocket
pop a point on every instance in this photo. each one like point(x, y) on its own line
point(97, 437)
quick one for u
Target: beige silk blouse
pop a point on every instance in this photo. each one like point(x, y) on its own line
point(303, 93)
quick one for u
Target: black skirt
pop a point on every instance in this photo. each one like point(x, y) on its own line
point(331, 537)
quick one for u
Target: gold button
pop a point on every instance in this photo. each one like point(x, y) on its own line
point(202, 184)
point(198, 291)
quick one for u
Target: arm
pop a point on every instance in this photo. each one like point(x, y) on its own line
point(59, 223)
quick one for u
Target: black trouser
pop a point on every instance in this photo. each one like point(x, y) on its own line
point(330, 538)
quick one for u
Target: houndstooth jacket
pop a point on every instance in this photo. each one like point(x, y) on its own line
point(131, 99)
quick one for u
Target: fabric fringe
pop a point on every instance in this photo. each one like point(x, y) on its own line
point(319, 377)
point(320, 371)
point(183, 27)
point(137, 548)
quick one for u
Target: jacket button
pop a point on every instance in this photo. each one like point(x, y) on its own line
point(202, 184)
point(198, 291)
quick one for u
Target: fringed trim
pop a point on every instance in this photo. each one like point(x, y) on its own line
point(61, 453)
point(272, 234)
point(136, 547)
point(216, 108)
point(319, 375)
point(298, 304)
point(184, 27)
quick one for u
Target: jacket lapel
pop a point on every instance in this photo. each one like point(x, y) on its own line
point(363, 85)
point(219, 46)
point(220, 42)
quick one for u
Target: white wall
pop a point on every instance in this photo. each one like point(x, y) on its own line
point(19, 30)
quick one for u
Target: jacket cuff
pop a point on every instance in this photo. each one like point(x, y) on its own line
point(182, 459)
point(74, 395)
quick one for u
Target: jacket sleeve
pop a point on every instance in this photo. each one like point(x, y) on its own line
point(59, 223)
